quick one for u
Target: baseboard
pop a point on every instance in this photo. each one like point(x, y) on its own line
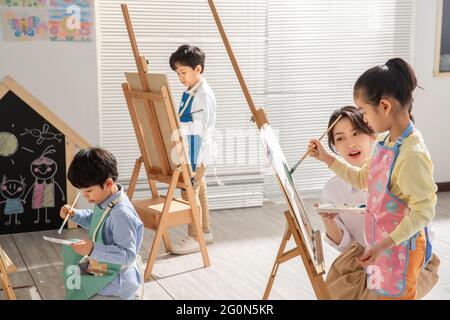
point(443, 186)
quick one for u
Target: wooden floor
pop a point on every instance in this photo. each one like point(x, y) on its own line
point(242, 255)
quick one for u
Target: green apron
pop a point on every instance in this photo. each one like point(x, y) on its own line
point(80, 284)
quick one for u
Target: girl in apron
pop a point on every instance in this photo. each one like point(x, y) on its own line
point(353, 140)
point(399, 177)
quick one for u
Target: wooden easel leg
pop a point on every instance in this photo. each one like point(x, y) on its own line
point(153, 252)
point(286, 237)
point(134, 178)
point(317, 282)
point(198, 228)
point(166, 240)
point(153, 188)
point(7, 287)
point(161, 231)
point(316, 279)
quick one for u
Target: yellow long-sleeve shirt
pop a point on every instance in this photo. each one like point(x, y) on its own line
point(412, 181)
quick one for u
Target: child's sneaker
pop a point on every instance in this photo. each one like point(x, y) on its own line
point(139, 295)
point(186, 246)
point(190, 244)
point(208, 237)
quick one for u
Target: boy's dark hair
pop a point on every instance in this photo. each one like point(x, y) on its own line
point(395, 78)
point(92, 166)
point(356, 118)
point(188, 55)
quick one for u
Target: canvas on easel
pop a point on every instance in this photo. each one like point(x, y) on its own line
point(163, 154)
point(308, 241)
point(6, 266)
point(287, 184)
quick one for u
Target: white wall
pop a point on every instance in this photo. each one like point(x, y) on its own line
point(432, 105)
point(62, 75)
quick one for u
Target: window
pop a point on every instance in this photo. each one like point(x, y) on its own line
point(300, 60)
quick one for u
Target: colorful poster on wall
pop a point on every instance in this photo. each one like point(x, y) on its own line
point(82, 4)
point(55, 20)
point(24, 25)
point(24, 3)
point(70, 24)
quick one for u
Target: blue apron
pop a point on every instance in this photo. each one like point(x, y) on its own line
point(185, 115)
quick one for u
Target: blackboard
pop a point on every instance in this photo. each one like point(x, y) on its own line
point(443, 38)
point(32, 169)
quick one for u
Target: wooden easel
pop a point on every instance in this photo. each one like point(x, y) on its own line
point(313, 270)
point(6, 266)
point(315, 278)
point(159, 212)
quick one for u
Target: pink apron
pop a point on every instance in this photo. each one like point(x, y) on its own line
point(385, 211)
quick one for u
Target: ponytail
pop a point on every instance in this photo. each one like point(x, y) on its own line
point(395, 78)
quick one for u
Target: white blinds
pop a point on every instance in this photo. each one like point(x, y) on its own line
point(299, 58)
point(316, 51)
point(160, 27)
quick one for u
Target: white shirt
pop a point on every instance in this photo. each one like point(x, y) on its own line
point(339, 192)
point(203, 122)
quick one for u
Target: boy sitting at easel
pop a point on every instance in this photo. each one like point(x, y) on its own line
point(108, 263)
point(197, 115)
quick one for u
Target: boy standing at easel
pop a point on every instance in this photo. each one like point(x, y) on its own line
point(197, 115)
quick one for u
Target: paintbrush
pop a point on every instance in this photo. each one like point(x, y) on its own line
point(321, 137)
point(68, 215)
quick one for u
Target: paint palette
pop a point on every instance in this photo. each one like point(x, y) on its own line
point(59, 241)
point(322, 208)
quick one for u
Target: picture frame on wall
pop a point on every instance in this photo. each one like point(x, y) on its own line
point(442, 51)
